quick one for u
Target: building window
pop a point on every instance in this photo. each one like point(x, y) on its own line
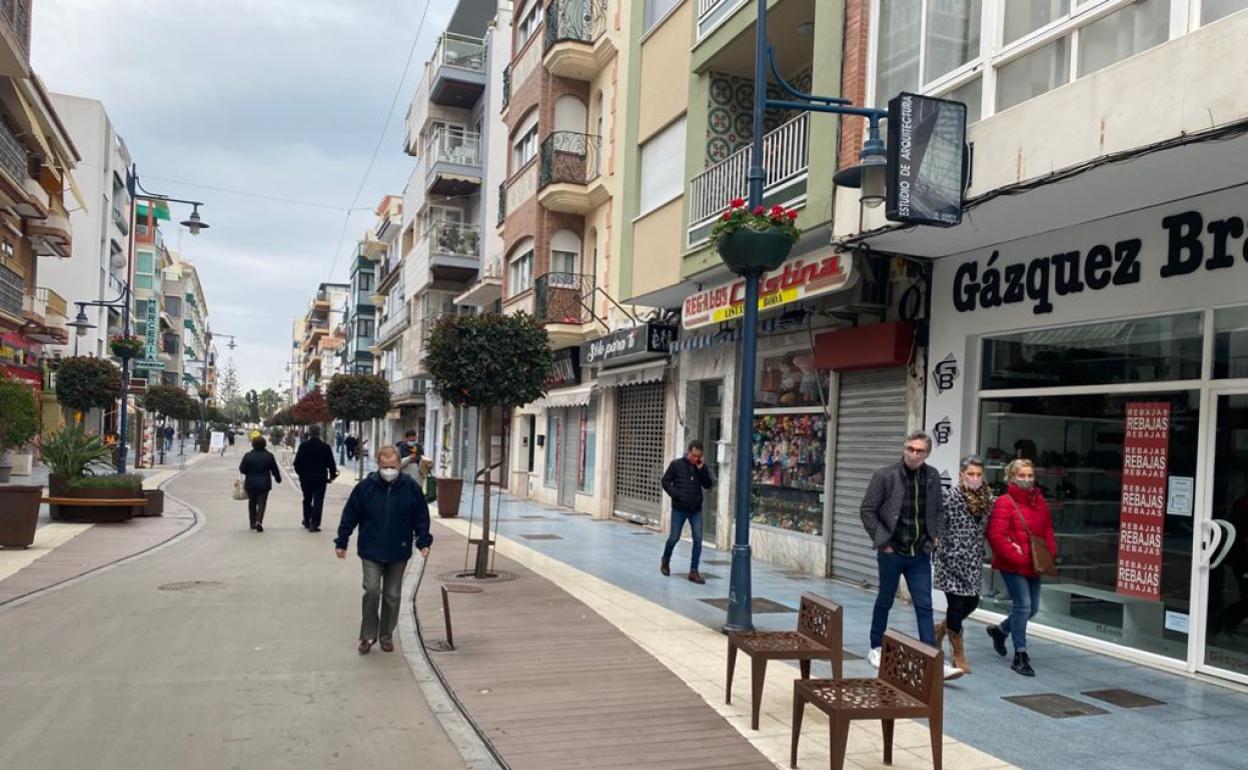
point(1023, 17)
point(656, 10)
point(530, 23)
point(1137, 27)
point(364, 327)
point(145, 262)
point(661, 179)
point(173, 306)
point(1212, 10)
point(143, 282)
point(524, 148)
point(366, 281)
point(1230, 343)
point(520, 268)
point(1036, 73)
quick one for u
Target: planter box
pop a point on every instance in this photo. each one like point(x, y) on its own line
point(155, 502)
point(19, 515)
point(449, 493)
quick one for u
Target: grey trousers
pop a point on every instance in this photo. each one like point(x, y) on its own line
point(383, 588)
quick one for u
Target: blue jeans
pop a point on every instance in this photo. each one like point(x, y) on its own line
point(918, 573)
point(1024, 604)
point(695, 529)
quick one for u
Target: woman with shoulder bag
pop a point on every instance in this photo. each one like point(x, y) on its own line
point(257, 467)
point(1023, 547)
point(959, 562)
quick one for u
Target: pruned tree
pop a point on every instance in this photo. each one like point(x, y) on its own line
point(358, 398)
point(84, 383)
point(168, 401)
point(311, 410)
point(489, 361)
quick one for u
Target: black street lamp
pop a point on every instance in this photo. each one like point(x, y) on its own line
point(869, 175)
point(82, 324)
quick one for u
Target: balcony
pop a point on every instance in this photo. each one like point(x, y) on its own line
point(15, 31)
point(121, 220)
point(712, 12)
point(506, 87)
point(576, 45)
point(487, 289)
point(560, 305)
point(14, 159)
point(786, 157)
point(458, 71)
point(47, 313)
point(454, 250)
point(408, 390)
point(570, 179)
point(51, 237)
point(393, 327)
point(12, 293)
point(453, 161)
point(373, 248)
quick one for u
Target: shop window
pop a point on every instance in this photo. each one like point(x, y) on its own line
point(552, 447)
point(1078, 445)
point(788, 473)
point(1139, 350)
point(1230, 343)
point(789, 380)
point(588, 448)
point(1137, 27)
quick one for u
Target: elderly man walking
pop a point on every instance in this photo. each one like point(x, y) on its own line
point(903, 513)
point(390, 510)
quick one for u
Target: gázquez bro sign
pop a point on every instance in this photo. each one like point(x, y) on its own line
point(1192, 243)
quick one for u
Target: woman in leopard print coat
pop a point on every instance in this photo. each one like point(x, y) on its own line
point(958, 562)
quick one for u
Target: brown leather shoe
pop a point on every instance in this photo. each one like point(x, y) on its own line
point(665, 569)
point(696, 578)
point(387, 645)
point(365, 646)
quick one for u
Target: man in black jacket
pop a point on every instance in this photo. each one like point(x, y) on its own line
point(391, 512)
point(314, 465)
point(684, 481)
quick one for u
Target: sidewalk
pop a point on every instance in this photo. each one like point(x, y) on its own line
point(1193, 724)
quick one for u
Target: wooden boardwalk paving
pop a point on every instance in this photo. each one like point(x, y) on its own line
point(554, 685)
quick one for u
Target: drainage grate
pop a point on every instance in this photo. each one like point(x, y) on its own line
point(541, 537)
point(497, 576)
point(192, 585)
point(759, 605)
point(1056, 706)
point(1124, 698)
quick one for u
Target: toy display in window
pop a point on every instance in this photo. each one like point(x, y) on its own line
point(789, 451)
point(789, 380)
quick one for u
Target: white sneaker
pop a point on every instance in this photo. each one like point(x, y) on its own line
point(873, 657)
point(952, 672)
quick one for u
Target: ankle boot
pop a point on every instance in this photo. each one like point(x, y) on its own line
point(959, 652)
point(941, 630)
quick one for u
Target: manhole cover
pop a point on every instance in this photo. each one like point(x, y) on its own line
point(1126, 699)
point(192, 585)
point(1056, 706)
point(496, 576)
point(759, 605)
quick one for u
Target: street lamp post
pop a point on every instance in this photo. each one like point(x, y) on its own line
point(193, 223)
point(869, 175)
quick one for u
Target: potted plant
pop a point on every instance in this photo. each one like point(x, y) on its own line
point(126, 347)
point(486, 361)
point(19, 505)
point(71, 454)
point(110, 486)
point(356, 398)
point(84, 383)
point(755, 240)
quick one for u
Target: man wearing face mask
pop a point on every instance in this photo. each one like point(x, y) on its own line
point(904, 515)
point(391, 512)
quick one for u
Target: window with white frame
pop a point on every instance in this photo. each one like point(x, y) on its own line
point(524, 147)
point(565, 257)
point(662, 167)
point(994, 55)
point(656, 10)
point(520, 268)
point(530, 23)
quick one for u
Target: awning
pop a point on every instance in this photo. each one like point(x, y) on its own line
point(636, 374)
point(565, 397)
point(162, 211)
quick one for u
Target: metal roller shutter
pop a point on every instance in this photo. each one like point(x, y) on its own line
point(639, 452)
point(870, 427)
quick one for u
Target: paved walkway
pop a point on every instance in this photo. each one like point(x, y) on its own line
point(1197, 725)
point(227, 649)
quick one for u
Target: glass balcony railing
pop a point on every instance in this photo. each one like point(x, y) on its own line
point(460, 51)
point(454, 145)
point(454, 238)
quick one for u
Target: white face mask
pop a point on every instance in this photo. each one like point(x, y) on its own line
point(389, 474)
point(972, 484)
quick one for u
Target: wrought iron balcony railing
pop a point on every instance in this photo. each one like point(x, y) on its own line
point(581, 21)
point(561, 298)
point(570, 157)
point(502, 203)
point(506, 86)
point(13, 155)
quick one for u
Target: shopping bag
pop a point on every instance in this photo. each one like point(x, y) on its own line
point(240, 491)
point(431, 490)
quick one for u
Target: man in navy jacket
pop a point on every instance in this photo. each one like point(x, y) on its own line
point(391, 512)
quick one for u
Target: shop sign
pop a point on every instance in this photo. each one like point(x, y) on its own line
point(35, 378)
point(1145, 452)
point(153, 324)
point(634, 344)
point(1191, 244)
point(926, 172)
point(566, 369)
point(14, 349)
point(794, 281)
point(150, 366)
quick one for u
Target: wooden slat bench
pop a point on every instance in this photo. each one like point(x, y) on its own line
point(94, 503)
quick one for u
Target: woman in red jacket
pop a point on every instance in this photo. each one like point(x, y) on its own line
point(1016, 515)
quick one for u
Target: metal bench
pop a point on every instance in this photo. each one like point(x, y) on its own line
point(910, 686)
point(818, 637)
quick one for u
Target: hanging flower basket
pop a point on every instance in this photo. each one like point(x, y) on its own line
point(755, 241)
point(127, 347)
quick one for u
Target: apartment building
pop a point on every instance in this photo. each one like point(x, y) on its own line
point(381, 248)
point(318, 342)
point(560, 222)
point(1090, 312)
point(195, 334)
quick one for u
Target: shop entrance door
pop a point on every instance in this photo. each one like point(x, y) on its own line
point(712, 431)
point(1223, 541)
point(569, 434)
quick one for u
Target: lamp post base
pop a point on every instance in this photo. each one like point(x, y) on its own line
point(740, 598)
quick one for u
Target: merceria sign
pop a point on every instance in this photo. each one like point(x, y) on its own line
point(1192, 243)
point(793, 281)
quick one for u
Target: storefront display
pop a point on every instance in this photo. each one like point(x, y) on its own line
point(788, 475)
point(789, 380)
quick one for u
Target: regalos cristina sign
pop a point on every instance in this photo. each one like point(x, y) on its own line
point(795, 280)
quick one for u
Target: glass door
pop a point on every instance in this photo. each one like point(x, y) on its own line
point(1223, 570)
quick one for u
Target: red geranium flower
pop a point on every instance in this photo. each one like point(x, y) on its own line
point(777, 210)
point(737, 203)
point(727, 215)
point(759, 210)
point(791, 214)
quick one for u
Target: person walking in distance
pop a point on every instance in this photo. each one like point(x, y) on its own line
point(314, 465)
point(257, 467)
point(352, 444)
point(1017, 516)
point(684, 481)
point(903, 513)
point(390, 510)
point(959, 562)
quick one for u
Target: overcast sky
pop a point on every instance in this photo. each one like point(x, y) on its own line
point(284, 98)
